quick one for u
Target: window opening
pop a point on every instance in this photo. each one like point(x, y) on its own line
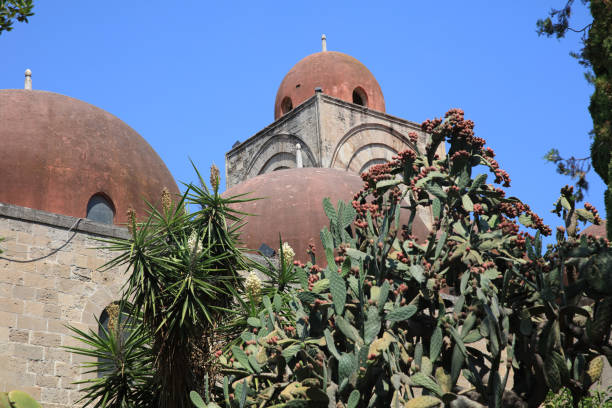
point(100, 209)
point(286, 105)
point(360, 97)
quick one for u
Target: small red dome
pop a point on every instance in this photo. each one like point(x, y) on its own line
point(292, 205)
point(337, 74)
point(58, 152)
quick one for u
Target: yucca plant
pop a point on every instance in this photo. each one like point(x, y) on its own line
point(182, 268)
point(122, 361)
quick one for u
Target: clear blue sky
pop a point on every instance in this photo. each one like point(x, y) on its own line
point(192, 77)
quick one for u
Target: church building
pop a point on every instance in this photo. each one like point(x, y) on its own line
point(71, 171)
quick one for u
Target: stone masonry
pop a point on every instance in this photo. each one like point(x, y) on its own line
point(331, 132)
point(49, 277)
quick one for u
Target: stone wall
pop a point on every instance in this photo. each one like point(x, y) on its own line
point(49, 277)
point(274, 146)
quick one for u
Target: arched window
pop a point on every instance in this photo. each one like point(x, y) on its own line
point(360, 97)
point(100, 209)
point(286, 105)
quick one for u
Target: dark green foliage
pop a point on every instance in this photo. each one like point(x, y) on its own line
point(596, 55)
point(11, 10)
point(378, 322)
point(182, 273)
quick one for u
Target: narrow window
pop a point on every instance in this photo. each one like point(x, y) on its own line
point(360, 97)
point(286, 105)
point(100, 209)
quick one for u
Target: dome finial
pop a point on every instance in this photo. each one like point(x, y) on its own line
point(323, 42)
point(28, 80)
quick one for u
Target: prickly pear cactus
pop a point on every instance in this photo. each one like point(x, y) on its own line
point(394, 321)
point(17, 399)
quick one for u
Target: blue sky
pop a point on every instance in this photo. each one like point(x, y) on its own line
point(192, 77)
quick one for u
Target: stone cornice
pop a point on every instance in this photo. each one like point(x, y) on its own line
point(62, 221)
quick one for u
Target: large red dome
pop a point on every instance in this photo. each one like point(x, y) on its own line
point(337, 74)
point(292, 205)
point(58, 152)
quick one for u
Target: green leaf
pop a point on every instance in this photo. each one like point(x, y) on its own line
point(268, 306)
point(417, 273)
point(526, 220)
point(426, 366)
point(478, 181)
point(472, 336)
point(424, 401)
point(347, 365)
point(329, 340)
point(387, 183)
point(355, 254)
point(436, 207)
point(307, 297)
point(585, 215)
point(337, 288)
point(291, 351)
point(436, 344)
point(458, 340)
point(465, 279)
point(242, 358)
point(436, 190)
point(326, 239)
point(468, 205)
point(254, 322)
point(253, 362)
point(321, 285)
point(353, 399)
point(401, 313)
point(371, 325)
point(566, 204)
point(197, 400)
point(243, 393)
point(421, 380)
point(348, 330)
point(348, 216)
point(330, 211)
point(418, 353)
point(383, 295)
point(464, 179)
point(440, 244)
point(277, 302)
point(468, 324)
point(456, 363)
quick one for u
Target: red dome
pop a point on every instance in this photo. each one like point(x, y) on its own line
point(598, 231)
point(337, 74)
point(292, 205)
point(57, 152)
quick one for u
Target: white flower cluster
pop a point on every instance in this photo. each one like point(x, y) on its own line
point(288, 254)
point(194, 241)
point(252, 284)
